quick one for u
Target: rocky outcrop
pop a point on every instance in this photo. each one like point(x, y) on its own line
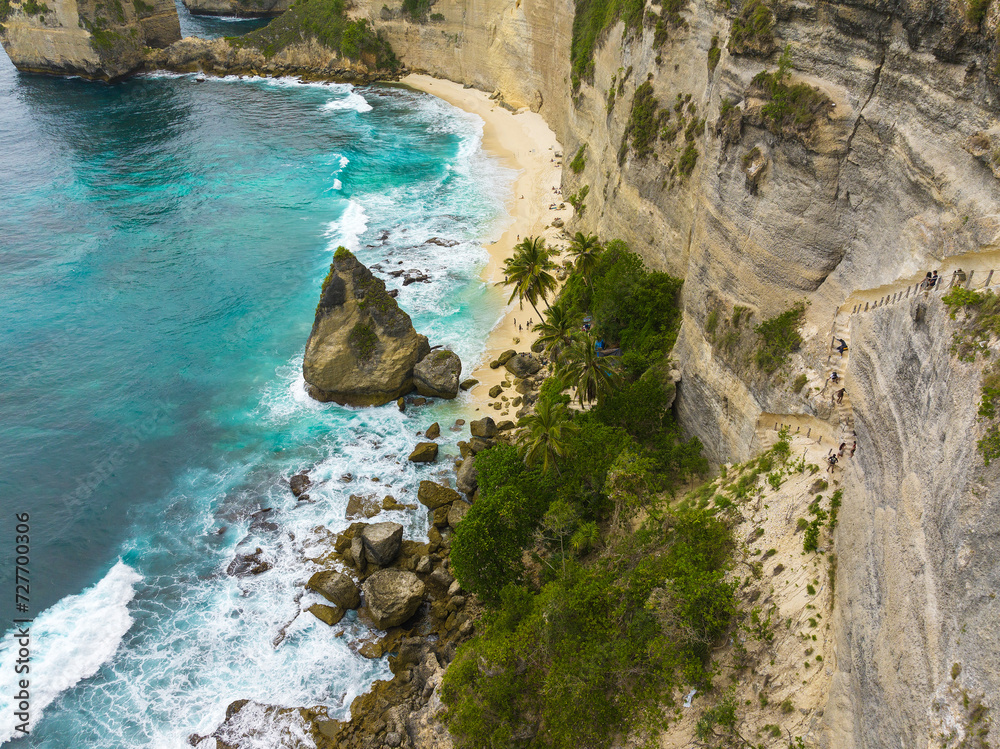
point(437, 374)
point(382, 542)
point(84, 37)
point(217, 56)
point(362, 348)
point(424, 452)
point(336, 587)
point(239, 8)
point(392, 597)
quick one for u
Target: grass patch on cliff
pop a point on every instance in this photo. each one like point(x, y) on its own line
point(579, 161)
point(327, 23)
point(779, 337)
point(751, 31)
point(791, 108)
point(5, 9)
point(976, 12)
point(363, 340)
point(33, 8)
point(980, 324)
point(641, 130)
point(591, 20)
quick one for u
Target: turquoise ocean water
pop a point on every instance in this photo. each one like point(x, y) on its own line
point(162, 244)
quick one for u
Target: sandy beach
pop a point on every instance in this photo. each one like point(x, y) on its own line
point(524, 142)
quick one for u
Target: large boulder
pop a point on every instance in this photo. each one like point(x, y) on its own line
point(523, 365)
point(326, 614)
point(467, 479)
point(424, 452)
point(382, 542)
point(362, 348)
point(484, 427)
point(433, 495)
point(335, 587)
point(457, 512)
point(392, 597)
point(437, 374)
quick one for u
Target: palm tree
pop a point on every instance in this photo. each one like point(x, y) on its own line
point(556, 329)
point(547, 434)
point(585, 249)
point(529, 271)
point(593, 376)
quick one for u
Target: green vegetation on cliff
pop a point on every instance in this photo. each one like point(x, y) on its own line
point(751, 32)
point(981, 323)
point(779, 337)
point(791, 108)
point(327, 23)
point(594, 620)
point(592, 19)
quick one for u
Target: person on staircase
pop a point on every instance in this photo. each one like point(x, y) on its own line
point(840, 395)
point(841, 345)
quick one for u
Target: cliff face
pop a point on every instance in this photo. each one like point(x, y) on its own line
point(101, 39)
point(240, 8)
point(888, 169)
point(918, 544)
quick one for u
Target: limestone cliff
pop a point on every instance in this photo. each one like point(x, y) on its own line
point(888, 168)
point(240, 8)
point(917, 614)
point(362, 348)
point(101, 39)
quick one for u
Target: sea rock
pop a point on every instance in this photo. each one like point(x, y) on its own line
point(467, 479)
point(478, 444)
point(442, 242)
point(392, 597)
point(522, 365)
point(507, 425)
point(326, 614)
point(382, 542)
point(437, 374)
point(424, 452)
point(434, 495)
point(484, 427)
point(433, 431)
point(335, 587)
point(238, 8)
point(457, 512)
point(358, 507)
point(71, 38)
point(464, 449)
point(244, 565)
point(362, 348)
point(495, 391)
point(506, 356)
point(469, 383)
point(299, 483)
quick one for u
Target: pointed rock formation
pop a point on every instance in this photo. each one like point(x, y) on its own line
point(362, 348)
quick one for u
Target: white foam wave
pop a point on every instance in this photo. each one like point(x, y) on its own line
point(352, 102)
point(337, 184)
point(258, 726)
point(69, 642)
point(344, 161)
point(346, 229)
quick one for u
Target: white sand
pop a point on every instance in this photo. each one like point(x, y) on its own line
point(525, 143)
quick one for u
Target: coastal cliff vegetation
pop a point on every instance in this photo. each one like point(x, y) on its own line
point(326, 22)
point(603, 595)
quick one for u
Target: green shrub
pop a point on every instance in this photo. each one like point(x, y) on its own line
point(799, 383)
point(34, 8)
point(5, 10)
point(976, 12)
point(779, 337)
point(579, 162)
point(640, 132)
point(790, 108)
point(751, 31)
point(687, 161)
point(437, 17)
point(714, 54)
point(577, 198)
point(591, 19)
point(363, 340)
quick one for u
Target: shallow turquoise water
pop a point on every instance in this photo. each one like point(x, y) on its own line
point(163, 243)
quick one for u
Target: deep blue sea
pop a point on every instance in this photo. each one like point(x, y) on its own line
point(162, 246)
